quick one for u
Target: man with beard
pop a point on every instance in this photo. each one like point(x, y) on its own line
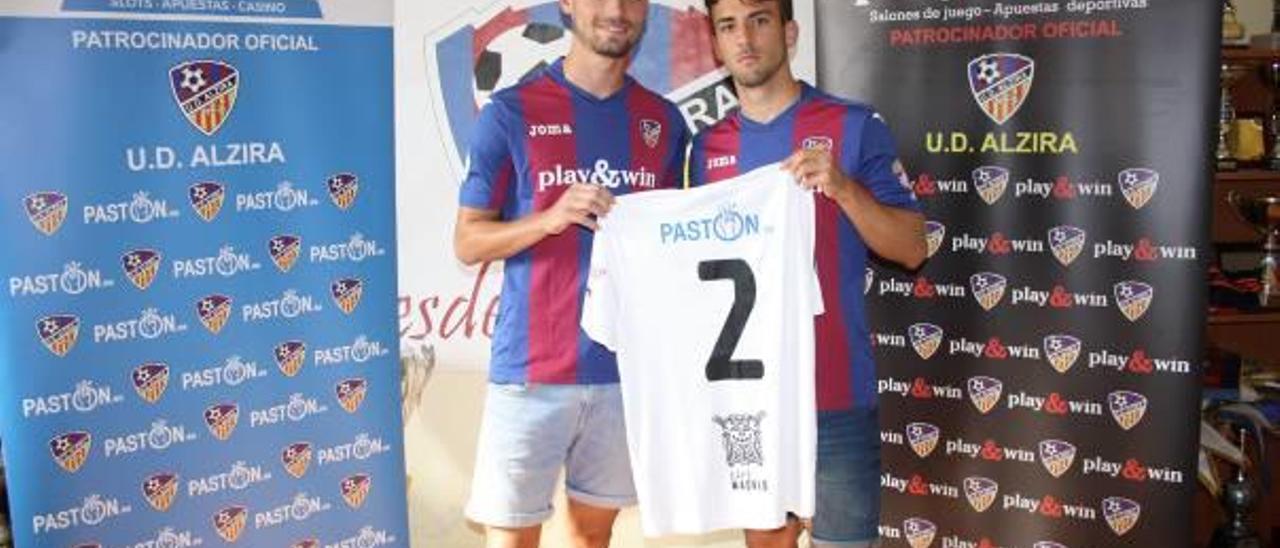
point(546, 158)
point(844, 151)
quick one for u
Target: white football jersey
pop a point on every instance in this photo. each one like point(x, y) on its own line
point(708, 297)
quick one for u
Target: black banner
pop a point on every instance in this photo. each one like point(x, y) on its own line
point(1038, 379)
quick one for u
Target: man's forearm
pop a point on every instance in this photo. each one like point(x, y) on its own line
point(482, 240)
point(893, 233)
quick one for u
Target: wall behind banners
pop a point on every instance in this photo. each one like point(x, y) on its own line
point(197, 343)
point(1037, 379)
point(446, 310)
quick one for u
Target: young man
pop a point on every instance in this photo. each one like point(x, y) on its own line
point(843, 151)
point(547, 156)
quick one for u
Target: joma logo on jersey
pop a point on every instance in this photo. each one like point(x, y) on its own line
point(716, 162)
point(160, 437)
point(727, 225)
point(290, 305)
point(297, 409)
point(817, 142)
point(362, 448)
point(601, 174)
point(86, 398)
point(1000, 83)
point(142, 209)
point(360, 351)
point(233, 373)
point(46, 210)
point(550, 130)
point(94, 510)
point(226, 263)
point(355, 249)
point(73, 280)
point(240, 477)
point(205, 92)
point(283, 199)
point(302, 508)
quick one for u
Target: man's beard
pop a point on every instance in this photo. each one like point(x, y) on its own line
point(607, 47)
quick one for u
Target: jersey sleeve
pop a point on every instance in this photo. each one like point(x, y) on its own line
point(876, 165)
point(599, 305)
point(679, 148)
point(694, 175)
point(489, 165)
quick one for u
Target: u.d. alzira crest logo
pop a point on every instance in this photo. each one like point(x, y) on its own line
point(1000, 83)
point(205, 92)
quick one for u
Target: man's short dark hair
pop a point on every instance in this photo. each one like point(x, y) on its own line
point(784, 6)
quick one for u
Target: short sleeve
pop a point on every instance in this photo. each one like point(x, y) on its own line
point(489, 164)
point(878, 167)
point(679, 145)
point(599, 305)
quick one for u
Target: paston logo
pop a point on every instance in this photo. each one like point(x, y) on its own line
point(85, 398)
point(151, 380)
point(205, 92)
point(343, 188)
point(59, 333)
point(46, 210)
point(1000, 83)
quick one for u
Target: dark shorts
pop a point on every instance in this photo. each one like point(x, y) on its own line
point(848, 497)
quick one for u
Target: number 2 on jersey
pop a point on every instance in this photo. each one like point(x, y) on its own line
point(722, 366)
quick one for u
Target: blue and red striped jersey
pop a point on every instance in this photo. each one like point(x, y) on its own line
point(866, 153)
point(530, 143)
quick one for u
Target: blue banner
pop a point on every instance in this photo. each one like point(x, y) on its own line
point(198, 335)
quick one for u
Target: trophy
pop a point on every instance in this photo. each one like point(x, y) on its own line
point(1227, 115)
point(1263, 213)
point(1232, 31)
point(1273, 129)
